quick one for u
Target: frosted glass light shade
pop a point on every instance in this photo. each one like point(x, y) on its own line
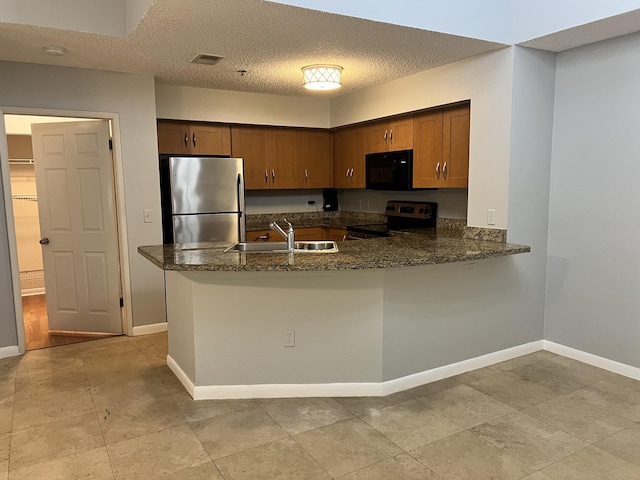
point(322, 77)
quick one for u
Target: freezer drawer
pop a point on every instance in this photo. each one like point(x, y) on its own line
point(218, 227)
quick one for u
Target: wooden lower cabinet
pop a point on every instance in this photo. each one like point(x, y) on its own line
point(335, 234)
point(264, 236)
point(313, 233)
point(301, 234)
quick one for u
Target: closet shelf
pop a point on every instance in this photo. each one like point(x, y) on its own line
point(30, 198)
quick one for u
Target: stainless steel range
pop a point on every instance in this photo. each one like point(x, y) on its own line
point(401, 215)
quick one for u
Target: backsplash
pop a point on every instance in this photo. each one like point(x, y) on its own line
point(342, 218)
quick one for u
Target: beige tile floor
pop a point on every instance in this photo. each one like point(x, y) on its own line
point(111, 409)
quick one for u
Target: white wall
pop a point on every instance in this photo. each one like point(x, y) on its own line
point(190, 103)
point(132, 98)
point(505, 21)
point(594, 264)
point(94, 16)
point(487, 20)
point(486, 81)
point(542, 17)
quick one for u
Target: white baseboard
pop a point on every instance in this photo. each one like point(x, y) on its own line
point(12, 351)
point(365, 389)
point(184, 379)
point(149, 329)
point(595, 360)
point(446, 371)
point(285, 390)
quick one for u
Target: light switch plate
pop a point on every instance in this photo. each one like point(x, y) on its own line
point(146, 215)
point(491, 216)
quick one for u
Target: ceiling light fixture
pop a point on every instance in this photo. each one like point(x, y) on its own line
point(55, 51)
point(322, 77)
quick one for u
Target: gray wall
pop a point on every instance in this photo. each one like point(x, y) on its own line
point(132, 98)
point(8, 336)
point(531, 139)
point(500, 304)
point(593, 274)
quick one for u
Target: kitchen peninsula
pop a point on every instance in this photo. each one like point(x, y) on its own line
point(355, 318)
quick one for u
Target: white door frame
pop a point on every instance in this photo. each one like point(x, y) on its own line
point(118, 174)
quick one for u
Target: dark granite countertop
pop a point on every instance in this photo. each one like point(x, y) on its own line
point(426, 247)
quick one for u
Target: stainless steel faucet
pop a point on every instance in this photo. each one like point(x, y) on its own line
point(288, 235)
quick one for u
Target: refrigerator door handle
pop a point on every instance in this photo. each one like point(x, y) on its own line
point(242, 228)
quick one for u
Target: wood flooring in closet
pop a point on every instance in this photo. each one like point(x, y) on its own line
point(34, 308)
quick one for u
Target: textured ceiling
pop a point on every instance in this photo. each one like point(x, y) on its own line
point(269, 40)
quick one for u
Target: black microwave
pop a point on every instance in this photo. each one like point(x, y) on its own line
point(389, 170)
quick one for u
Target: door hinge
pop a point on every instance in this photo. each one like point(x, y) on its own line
point(121, 302)
point(110, 144)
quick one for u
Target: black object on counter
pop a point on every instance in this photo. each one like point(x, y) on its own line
point(330, 200)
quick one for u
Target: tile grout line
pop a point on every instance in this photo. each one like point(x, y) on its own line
point(294, 440)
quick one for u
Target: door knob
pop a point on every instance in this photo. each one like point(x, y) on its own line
point(44, 241)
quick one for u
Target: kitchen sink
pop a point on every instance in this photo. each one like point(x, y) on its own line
point(325, 246)
point(315, 246)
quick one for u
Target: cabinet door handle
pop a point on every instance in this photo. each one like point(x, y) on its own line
point(186, 139)
point(444, 171)
point(266, 176)
point(306, 175)
point(351, 174)
point(194, 139)
point(438, 171)
point(273, 174)
point(391, 136)
point(346, 174)
point(385, 136)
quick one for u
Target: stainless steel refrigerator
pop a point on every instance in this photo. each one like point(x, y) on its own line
point(202, 199)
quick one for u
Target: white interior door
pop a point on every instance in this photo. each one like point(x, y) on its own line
point(76, 203)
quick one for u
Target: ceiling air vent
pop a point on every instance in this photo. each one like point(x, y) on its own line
point(206, 59)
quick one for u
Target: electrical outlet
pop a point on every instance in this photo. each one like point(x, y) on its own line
point(491, 216)
point(469, 268)
point(289, 338)
point(146, 215)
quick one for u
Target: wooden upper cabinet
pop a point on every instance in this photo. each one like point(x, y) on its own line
point(173, 137)
point(193, 138)
point(207, 139)
point(349, 145)
point(390, 135)
point(272, 156)
point(285, 145)
point(455, 157)
point(317, 159)
point(441, 148)
point(252, 144)
point(427, 150)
